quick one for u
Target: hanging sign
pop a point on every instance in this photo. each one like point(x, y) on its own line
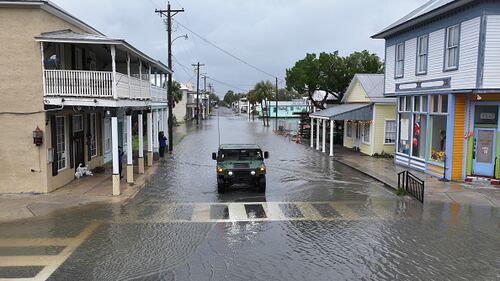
point(405, 126)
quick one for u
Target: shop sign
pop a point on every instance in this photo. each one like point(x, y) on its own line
point(486, 115)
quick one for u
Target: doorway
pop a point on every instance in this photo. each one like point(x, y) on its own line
point(357, 135)
point(483, 163)
point(78, 141)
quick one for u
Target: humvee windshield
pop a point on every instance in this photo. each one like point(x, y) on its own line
point(240, 155)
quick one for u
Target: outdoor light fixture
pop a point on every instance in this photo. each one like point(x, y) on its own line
point(38, 136)
point(478, 97)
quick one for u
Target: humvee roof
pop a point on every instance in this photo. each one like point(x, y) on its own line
point(239, 146)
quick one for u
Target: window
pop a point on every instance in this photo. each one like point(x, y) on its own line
point(424, 103)
point(416, 103)
point(390, 132)
point(404, 133)
point(439, 104)
point(452, 48)
point(77, 123)
point(419, 135)
point(348, 129)
point(422, 49)
point(405, 103)
point(61, 142)
point(92, 135)
point(437, 138)
point(366, 133)
point(400, 60)
point(107, 135)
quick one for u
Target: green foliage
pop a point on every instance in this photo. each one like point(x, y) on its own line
point(329, 72)
point(401, 192)
point(176, 90)
point(231, 97)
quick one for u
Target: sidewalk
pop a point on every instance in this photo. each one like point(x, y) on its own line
point(385, 171)
point(87, 190)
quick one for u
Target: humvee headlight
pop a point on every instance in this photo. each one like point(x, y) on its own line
point(220, 170)
point(230, 173)
point(262, 168)
point(252, 173)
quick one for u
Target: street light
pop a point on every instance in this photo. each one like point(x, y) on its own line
point(182, 36)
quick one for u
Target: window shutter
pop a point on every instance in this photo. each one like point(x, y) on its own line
point(71, 156)
point(54, 144)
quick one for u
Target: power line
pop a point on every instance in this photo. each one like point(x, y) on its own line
point(226, 52)
point(226, 84)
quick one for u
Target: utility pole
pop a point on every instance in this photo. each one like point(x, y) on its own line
point(198, 65)
point(205, 114)
point(277, 104)
point(169, 13)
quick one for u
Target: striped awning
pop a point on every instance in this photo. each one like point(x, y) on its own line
point(347, 111)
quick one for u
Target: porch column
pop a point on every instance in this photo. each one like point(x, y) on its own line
point(113, 67)
point(149, 81)
point(312, 132)
point(141, 142)
point(130, 163)
point(248, 109)
point(150, 137)
point(140, 78)
point(128, 74)
point(317, 133)
point(155, 130)
point(156, 79)
point(115, 153)
point(323, 123)
point(332, 124)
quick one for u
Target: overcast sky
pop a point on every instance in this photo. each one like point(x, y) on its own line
point(270, 34)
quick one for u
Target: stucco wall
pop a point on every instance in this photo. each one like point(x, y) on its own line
point(21, 92)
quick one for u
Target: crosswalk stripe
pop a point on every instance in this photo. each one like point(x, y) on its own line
point(201, 213)
point(237, 212)
point(309, 211)
point(273, 211)
point(344, 210)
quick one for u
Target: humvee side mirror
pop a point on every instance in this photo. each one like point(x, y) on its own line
point(214, 156)
point(266, 154)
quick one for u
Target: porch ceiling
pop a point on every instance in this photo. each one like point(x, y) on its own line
point(347, 111)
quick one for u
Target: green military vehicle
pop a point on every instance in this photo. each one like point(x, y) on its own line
point(240, 163)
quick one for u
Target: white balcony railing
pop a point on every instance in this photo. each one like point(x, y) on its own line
point(78, 83)
point(82, 83)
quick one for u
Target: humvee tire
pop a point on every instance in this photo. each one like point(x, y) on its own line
point(221, 185)
point(261, 185)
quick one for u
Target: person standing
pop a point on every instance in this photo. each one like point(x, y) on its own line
point(163, 144)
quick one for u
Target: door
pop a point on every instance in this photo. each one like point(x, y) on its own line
point(78, 141)
point(107, 140)
point(483, 163)
point(357, 135)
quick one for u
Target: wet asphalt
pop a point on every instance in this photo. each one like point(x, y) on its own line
point(318, 220)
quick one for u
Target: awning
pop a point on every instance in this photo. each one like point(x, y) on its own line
point(347, 111)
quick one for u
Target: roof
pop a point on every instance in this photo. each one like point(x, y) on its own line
point(346, 111)
point(70, 36)
point(373, 85)
point(429, 10)
point(239, 146)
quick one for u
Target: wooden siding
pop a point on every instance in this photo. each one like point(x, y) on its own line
point(463, 78)
point(357, 94)
point(382, 112)
point(492, 53)
point(458, 138)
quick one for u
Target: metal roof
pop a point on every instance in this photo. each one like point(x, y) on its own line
point(346, 111)
point(429, 10)
point(69, 36)
point(239, 146)
point(373, 85)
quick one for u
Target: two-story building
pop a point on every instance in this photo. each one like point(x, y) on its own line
point(68, 94)
point(442, 62)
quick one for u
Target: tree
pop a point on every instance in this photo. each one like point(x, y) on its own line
point(177, 93)
point(262, 93)
point(329, 72)
point(229, 97)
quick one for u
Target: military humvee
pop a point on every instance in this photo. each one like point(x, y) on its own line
point(240, 163)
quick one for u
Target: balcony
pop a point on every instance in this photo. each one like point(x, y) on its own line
point(99, 84)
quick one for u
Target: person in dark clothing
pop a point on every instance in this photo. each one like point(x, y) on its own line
point(120, 160)
point(163, 144)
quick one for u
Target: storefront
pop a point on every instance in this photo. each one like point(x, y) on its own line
point(423, 128)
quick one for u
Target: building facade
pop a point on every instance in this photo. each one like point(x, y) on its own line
point(442, 65)
point(68, 96)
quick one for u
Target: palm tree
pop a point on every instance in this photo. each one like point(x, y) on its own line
point(263, 92)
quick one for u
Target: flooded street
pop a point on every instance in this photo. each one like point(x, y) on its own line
point(318, 220)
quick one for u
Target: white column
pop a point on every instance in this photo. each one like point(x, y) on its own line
point(141, 142)
point(113, 67)
point(115, 153)
point(312, 132)
point(155, 130)
point(317, 133)
point(140, 78)
point(150, 137)
point(323, 123)
point(156, 79)
point(128, 74)
point(130, 163)
point(248, 110)
point(332, 125)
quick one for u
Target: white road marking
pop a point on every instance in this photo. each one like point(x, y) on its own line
point(237, 212)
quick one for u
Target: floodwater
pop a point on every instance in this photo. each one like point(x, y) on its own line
point(319, 220)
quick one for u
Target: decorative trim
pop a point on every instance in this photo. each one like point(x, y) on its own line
point(418, 85)
point(481, 52)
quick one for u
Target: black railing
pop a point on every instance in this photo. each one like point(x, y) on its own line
point(412, 185)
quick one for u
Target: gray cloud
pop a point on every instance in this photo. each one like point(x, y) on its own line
point(271, 34)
